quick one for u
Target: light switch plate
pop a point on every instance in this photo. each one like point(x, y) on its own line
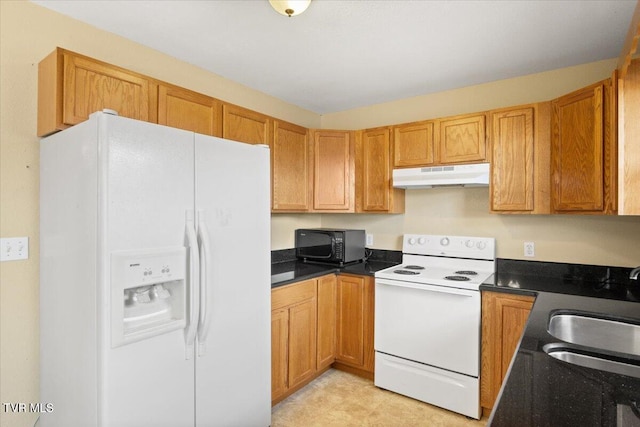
point(14, 248)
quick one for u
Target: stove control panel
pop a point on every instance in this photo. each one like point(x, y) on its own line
point(449, 246)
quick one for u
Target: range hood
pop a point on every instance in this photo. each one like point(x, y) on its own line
point(442, 176)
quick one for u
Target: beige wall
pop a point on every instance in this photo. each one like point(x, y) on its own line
point(465, 211)
point(503, 93)
point(29, 32)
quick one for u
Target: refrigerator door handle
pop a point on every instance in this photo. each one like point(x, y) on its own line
point(194, 270)
point(205, 268)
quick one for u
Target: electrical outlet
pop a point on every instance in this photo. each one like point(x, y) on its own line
point(14, 248)
point(529, 249)
point(369, 239)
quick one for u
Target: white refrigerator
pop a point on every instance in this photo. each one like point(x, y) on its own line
point(154, 278)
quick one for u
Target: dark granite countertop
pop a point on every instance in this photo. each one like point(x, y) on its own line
point(286, 269)
point(542, 391)
point(530, 277)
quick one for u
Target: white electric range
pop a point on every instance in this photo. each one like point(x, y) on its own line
point(427, 320)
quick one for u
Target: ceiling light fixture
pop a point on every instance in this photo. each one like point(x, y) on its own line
point(290, 7)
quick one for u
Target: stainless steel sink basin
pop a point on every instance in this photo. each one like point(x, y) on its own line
point(594, 362)
point(595, 332)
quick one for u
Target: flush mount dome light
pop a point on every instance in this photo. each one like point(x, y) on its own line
point(290, 7)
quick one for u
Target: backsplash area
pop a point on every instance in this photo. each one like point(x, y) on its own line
point(584, 239)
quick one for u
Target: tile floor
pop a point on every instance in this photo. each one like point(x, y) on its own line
point(339, 399)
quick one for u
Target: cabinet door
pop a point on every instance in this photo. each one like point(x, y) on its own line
point(520, 161)
point(578, 151)
point(326, 321)
point(333, 171)
point(629, 90)
point(374, 187)
point(184, 109)
point(504, 317)
point(290, 168)
point(91, 86)
point(350, 333)
point(240, 124)
point(414, 144)
point(302, 342)
point(512, 160)
point(279, 352)
point(462, 139)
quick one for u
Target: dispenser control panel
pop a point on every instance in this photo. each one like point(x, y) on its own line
point(147, 268)
point(148, 293)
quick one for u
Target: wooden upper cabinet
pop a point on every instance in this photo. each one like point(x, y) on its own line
point(520, 144)
point(72, 86)
point(240, 124)
point(333, 171)
point(629, 126)
point(414, 144)
point(290, 168)
point(583, 146)
point(184, 109)
point(462, 139)
point(374, 186)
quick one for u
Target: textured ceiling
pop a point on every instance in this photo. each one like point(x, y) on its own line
point(340, 55)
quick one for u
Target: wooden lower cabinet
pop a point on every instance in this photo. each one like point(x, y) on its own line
point(303, 325)
point(355, 308)
point(326, 344)
point(504, 317)
point(317, 324)
point(293, 336)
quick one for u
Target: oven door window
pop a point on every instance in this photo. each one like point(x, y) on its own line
point(315, 245)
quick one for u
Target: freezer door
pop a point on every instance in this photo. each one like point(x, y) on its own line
point(233, 366)
point(146, 187)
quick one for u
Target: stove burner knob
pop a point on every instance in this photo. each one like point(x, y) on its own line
point(444, 241)
point(422, 241)
point(481, 245)
point(469, 244)
point(412, 241)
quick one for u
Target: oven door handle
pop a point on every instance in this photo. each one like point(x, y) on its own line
point(428, 288)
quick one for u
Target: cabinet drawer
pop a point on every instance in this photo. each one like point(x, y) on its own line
point(293, 294)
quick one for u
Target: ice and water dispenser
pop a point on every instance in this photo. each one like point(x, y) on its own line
point(148, 293)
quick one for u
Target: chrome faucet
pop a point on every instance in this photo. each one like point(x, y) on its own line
point(634, 273)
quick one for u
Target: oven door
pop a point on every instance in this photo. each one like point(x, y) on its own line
point(433, 325)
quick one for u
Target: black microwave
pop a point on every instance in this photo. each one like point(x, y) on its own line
point(329, 245)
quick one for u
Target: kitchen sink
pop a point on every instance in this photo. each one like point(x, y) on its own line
point(595, 332)
point(593, 361)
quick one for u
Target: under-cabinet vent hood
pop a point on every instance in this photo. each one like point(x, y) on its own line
point(441, 176)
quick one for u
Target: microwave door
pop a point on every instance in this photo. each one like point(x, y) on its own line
point(317, 245)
